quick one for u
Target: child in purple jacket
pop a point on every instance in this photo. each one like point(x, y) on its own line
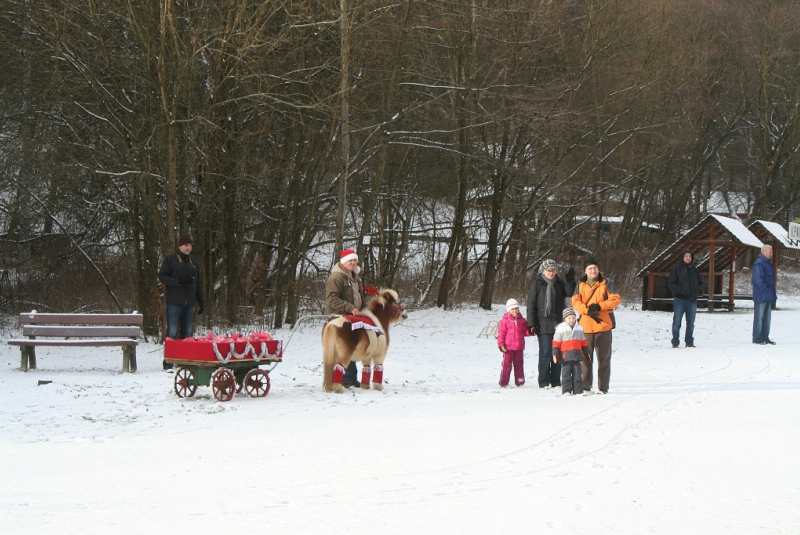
point(511, 333)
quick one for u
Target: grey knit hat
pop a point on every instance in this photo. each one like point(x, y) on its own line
point(547, 264)
point(568, 312)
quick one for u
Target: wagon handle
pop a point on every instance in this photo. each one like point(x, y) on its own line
point(297, 324)
point(301, 320)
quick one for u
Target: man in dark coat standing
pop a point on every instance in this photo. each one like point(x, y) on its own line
point(546, 303)
point(763, 296)
point(686, 285)
point(180, 275)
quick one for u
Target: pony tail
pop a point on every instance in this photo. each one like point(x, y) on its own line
point(328, 356)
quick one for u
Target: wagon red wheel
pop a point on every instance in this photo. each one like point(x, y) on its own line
point(256, 383)
point(185, 385)
point(223, 384)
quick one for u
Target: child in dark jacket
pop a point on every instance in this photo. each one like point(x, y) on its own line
point(570, 347)
point(511, 333)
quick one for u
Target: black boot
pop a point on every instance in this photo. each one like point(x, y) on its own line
point(351, 376)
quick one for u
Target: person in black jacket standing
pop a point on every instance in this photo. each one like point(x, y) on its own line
point(546, 302)
point(180, 274)
point(686, 285)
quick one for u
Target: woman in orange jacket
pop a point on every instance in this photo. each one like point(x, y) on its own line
point(595, 299)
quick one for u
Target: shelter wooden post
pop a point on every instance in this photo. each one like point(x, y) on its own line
point(731, 276)
point(774, 305)
point(711, 270)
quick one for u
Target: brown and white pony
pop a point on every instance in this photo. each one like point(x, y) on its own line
point(341, 343)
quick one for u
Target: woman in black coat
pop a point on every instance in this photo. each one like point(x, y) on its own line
point(546, 302)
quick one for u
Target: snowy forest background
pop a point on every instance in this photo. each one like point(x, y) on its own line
point(476, 138)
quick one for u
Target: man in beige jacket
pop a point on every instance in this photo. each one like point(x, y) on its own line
point(343, 296)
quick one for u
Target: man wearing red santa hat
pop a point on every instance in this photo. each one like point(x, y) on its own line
point(342, 296)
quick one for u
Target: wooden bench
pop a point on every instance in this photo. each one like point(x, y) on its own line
point(719, 301)
point(79, 330)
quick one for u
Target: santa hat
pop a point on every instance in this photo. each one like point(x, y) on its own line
point(511, 303)
point(347, 255)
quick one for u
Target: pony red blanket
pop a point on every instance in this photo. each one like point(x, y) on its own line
point(362, 322)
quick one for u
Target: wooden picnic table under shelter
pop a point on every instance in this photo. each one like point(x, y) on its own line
point(716, 242)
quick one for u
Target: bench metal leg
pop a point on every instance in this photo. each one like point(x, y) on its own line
point(129, 359)
point(27, 358)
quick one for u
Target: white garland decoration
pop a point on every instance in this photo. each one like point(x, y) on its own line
point(264, 352)
point(220, 358)
point(248, 349)
point(232, 352)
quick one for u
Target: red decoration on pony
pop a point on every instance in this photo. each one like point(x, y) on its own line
point(377, 377)
point(366, 374)
point(371, 290)
point(338, 373)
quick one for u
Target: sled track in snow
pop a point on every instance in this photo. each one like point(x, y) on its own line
point(568, 430)
point(606, 416)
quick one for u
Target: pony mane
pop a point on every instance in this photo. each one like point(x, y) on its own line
point(377, 300)
point(394, 294)
point(379, 297)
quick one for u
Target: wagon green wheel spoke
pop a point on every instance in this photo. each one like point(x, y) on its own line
point(185, 384)
point(256, 383)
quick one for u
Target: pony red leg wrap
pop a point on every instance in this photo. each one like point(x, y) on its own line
point(377, 377)
point(366, 371)
point(338, 373)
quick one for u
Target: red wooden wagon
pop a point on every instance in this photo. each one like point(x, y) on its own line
point(228, 367)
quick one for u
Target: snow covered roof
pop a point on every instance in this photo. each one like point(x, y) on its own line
point(775, 231)
point(723, 230)
point(738, 230)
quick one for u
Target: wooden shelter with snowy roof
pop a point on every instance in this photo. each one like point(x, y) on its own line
point(778, 237)
point(774, 234)
point(716, 242)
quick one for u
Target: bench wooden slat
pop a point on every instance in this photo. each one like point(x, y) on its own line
point(76, 343)
point(80, 330)
point(29, 318)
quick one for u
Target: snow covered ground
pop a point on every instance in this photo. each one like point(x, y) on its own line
point(687, 441)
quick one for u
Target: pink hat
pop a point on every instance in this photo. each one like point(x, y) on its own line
point(347, 255)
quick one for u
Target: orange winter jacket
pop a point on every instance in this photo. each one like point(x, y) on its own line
point(603, 293)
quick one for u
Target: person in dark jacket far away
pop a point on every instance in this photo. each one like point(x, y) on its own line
point(686, 285)
point(180, 275)
point(763, 296)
